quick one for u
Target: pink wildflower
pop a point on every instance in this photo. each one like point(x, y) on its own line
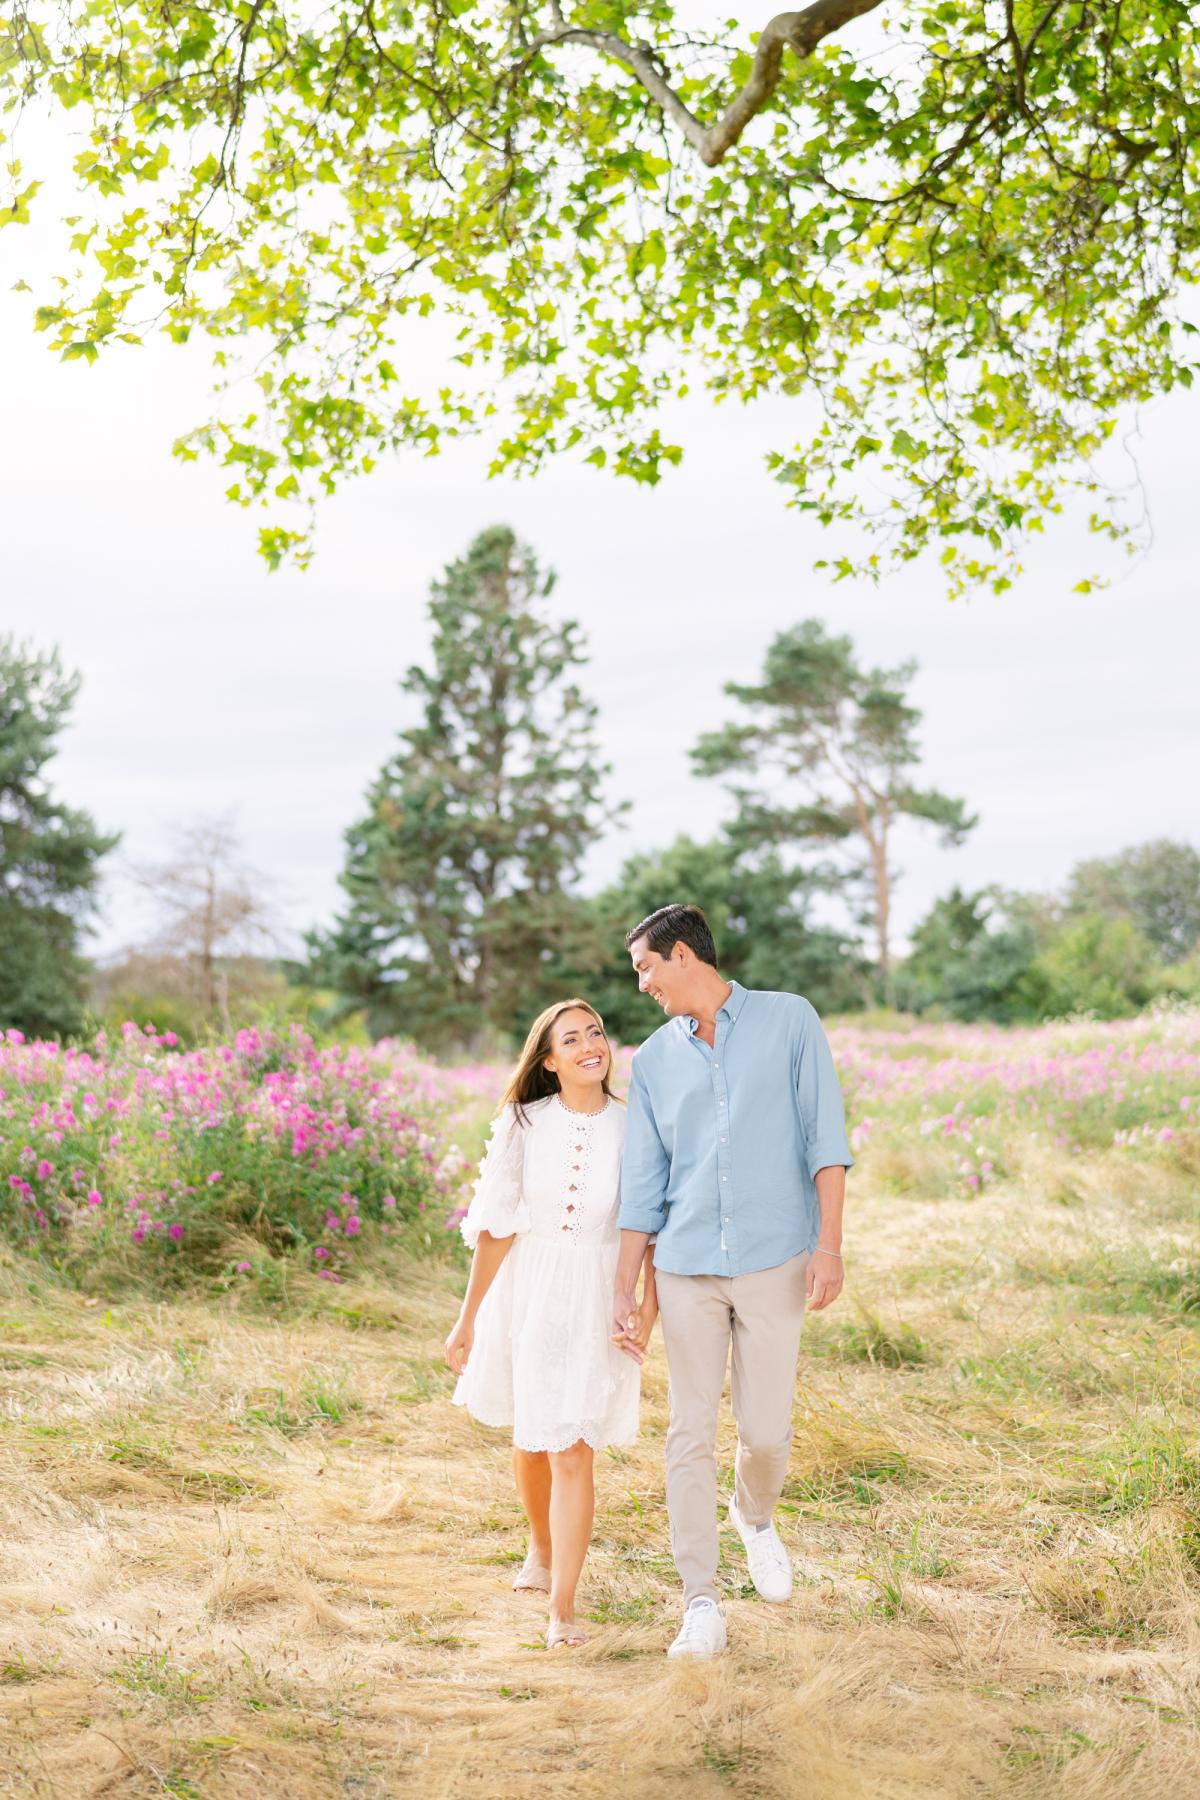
point(175, 1231)
point(243, 1268)
point(353, 1225)
point(214, 1178)
point(94, 1198)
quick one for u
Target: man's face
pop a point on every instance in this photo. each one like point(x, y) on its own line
point(662, 977)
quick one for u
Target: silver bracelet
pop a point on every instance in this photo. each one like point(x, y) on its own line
point(822, 1251)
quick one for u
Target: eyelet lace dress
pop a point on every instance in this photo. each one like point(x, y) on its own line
point(541, 1360)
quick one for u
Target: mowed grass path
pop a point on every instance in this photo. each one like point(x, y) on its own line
point(240, 1557)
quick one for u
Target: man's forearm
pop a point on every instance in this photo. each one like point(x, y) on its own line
point(830, 1184)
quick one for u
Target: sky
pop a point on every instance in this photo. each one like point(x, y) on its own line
point(211, 687)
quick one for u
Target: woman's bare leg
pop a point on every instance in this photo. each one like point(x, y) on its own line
point(531, 1471)
point(572, 1505)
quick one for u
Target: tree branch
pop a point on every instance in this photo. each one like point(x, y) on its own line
point(800, 32)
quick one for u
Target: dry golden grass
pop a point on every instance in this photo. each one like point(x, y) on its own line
point(249, 1558)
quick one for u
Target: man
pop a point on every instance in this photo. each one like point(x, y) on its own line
point(735, 1162)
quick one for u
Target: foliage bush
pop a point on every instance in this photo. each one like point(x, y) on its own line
point(143, 1163)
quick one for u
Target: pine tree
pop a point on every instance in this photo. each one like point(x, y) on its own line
point(49, 853)
point(826, 757)
point(460, 873)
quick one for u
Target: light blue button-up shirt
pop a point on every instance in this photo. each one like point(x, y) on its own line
point(722, 1143)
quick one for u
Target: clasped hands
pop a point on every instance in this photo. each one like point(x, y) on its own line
point(632, 1324)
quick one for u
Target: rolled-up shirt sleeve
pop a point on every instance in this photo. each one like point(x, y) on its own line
point(645, 1165)
point(819, 1093)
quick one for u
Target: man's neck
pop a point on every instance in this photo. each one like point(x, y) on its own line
point(706, 1005)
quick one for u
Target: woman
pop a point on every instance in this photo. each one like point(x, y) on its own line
point(531, 1345)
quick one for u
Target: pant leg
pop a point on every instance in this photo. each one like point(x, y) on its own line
point(768, 1311)
point(696, 1317)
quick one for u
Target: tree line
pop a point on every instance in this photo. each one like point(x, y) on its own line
point(463, 909)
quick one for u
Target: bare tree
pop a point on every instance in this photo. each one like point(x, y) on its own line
point(215, 912)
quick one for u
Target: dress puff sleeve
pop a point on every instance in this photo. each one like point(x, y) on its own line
point(498, 1204)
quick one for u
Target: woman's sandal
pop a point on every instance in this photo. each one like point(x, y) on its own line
point(531, 1578)
point(564, 1636)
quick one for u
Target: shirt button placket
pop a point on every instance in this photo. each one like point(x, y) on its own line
point(724, 1162)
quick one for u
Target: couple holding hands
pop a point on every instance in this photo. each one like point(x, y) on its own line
point(721, 1184)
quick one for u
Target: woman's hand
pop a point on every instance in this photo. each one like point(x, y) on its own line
point(457, 1347)
point(636, 1335)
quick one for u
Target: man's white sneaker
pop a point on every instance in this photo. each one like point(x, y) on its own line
point(770, 1564)
point(702, 1632)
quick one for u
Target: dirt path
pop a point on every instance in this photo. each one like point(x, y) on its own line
point(240, 1558)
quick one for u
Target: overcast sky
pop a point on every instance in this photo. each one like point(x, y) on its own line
point(209, 686)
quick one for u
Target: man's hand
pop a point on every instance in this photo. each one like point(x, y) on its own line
point(636, 1337)
point(457, 1347)
point(823, 1281)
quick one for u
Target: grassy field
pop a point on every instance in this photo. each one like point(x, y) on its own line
point(246, 1552)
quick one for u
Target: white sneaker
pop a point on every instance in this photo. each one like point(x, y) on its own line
point(770, 1564)
point(702, 1632)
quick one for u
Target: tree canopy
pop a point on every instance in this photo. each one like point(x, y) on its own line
point(1156, 886)
point(759, 910)
point(960, 227)
point(49, 852)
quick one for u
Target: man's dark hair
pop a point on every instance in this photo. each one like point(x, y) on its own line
point(672, 925)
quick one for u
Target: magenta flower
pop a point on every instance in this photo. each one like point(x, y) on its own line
point(175, 1231)
point(94, 1198)
point(353, 1225)
point(243, 1268)
point(214, 1178)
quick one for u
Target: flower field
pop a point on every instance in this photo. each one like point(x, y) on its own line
point(138, 1161)
point(247, 1544)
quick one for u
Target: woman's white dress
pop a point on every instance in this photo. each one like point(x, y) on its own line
point(542, 1360)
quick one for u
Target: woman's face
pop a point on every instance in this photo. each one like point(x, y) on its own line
point(579, 1051)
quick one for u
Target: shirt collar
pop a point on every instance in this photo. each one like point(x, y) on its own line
point(735, 1002)
point(730, 1009)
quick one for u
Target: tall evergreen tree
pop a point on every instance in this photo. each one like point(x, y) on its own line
point(840, 742)
point(459, 874)
point(49, 853)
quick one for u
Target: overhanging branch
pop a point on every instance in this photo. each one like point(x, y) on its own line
point(799, 32)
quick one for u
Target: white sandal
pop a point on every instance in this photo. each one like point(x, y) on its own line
point(563, 1635)
point(531, 1578)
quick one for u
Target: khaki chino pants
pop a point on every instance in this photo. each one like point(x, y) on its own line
point(704, 1317)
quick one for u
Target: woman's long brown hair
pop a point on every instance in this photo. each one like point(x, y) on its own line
point(531, 1080)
